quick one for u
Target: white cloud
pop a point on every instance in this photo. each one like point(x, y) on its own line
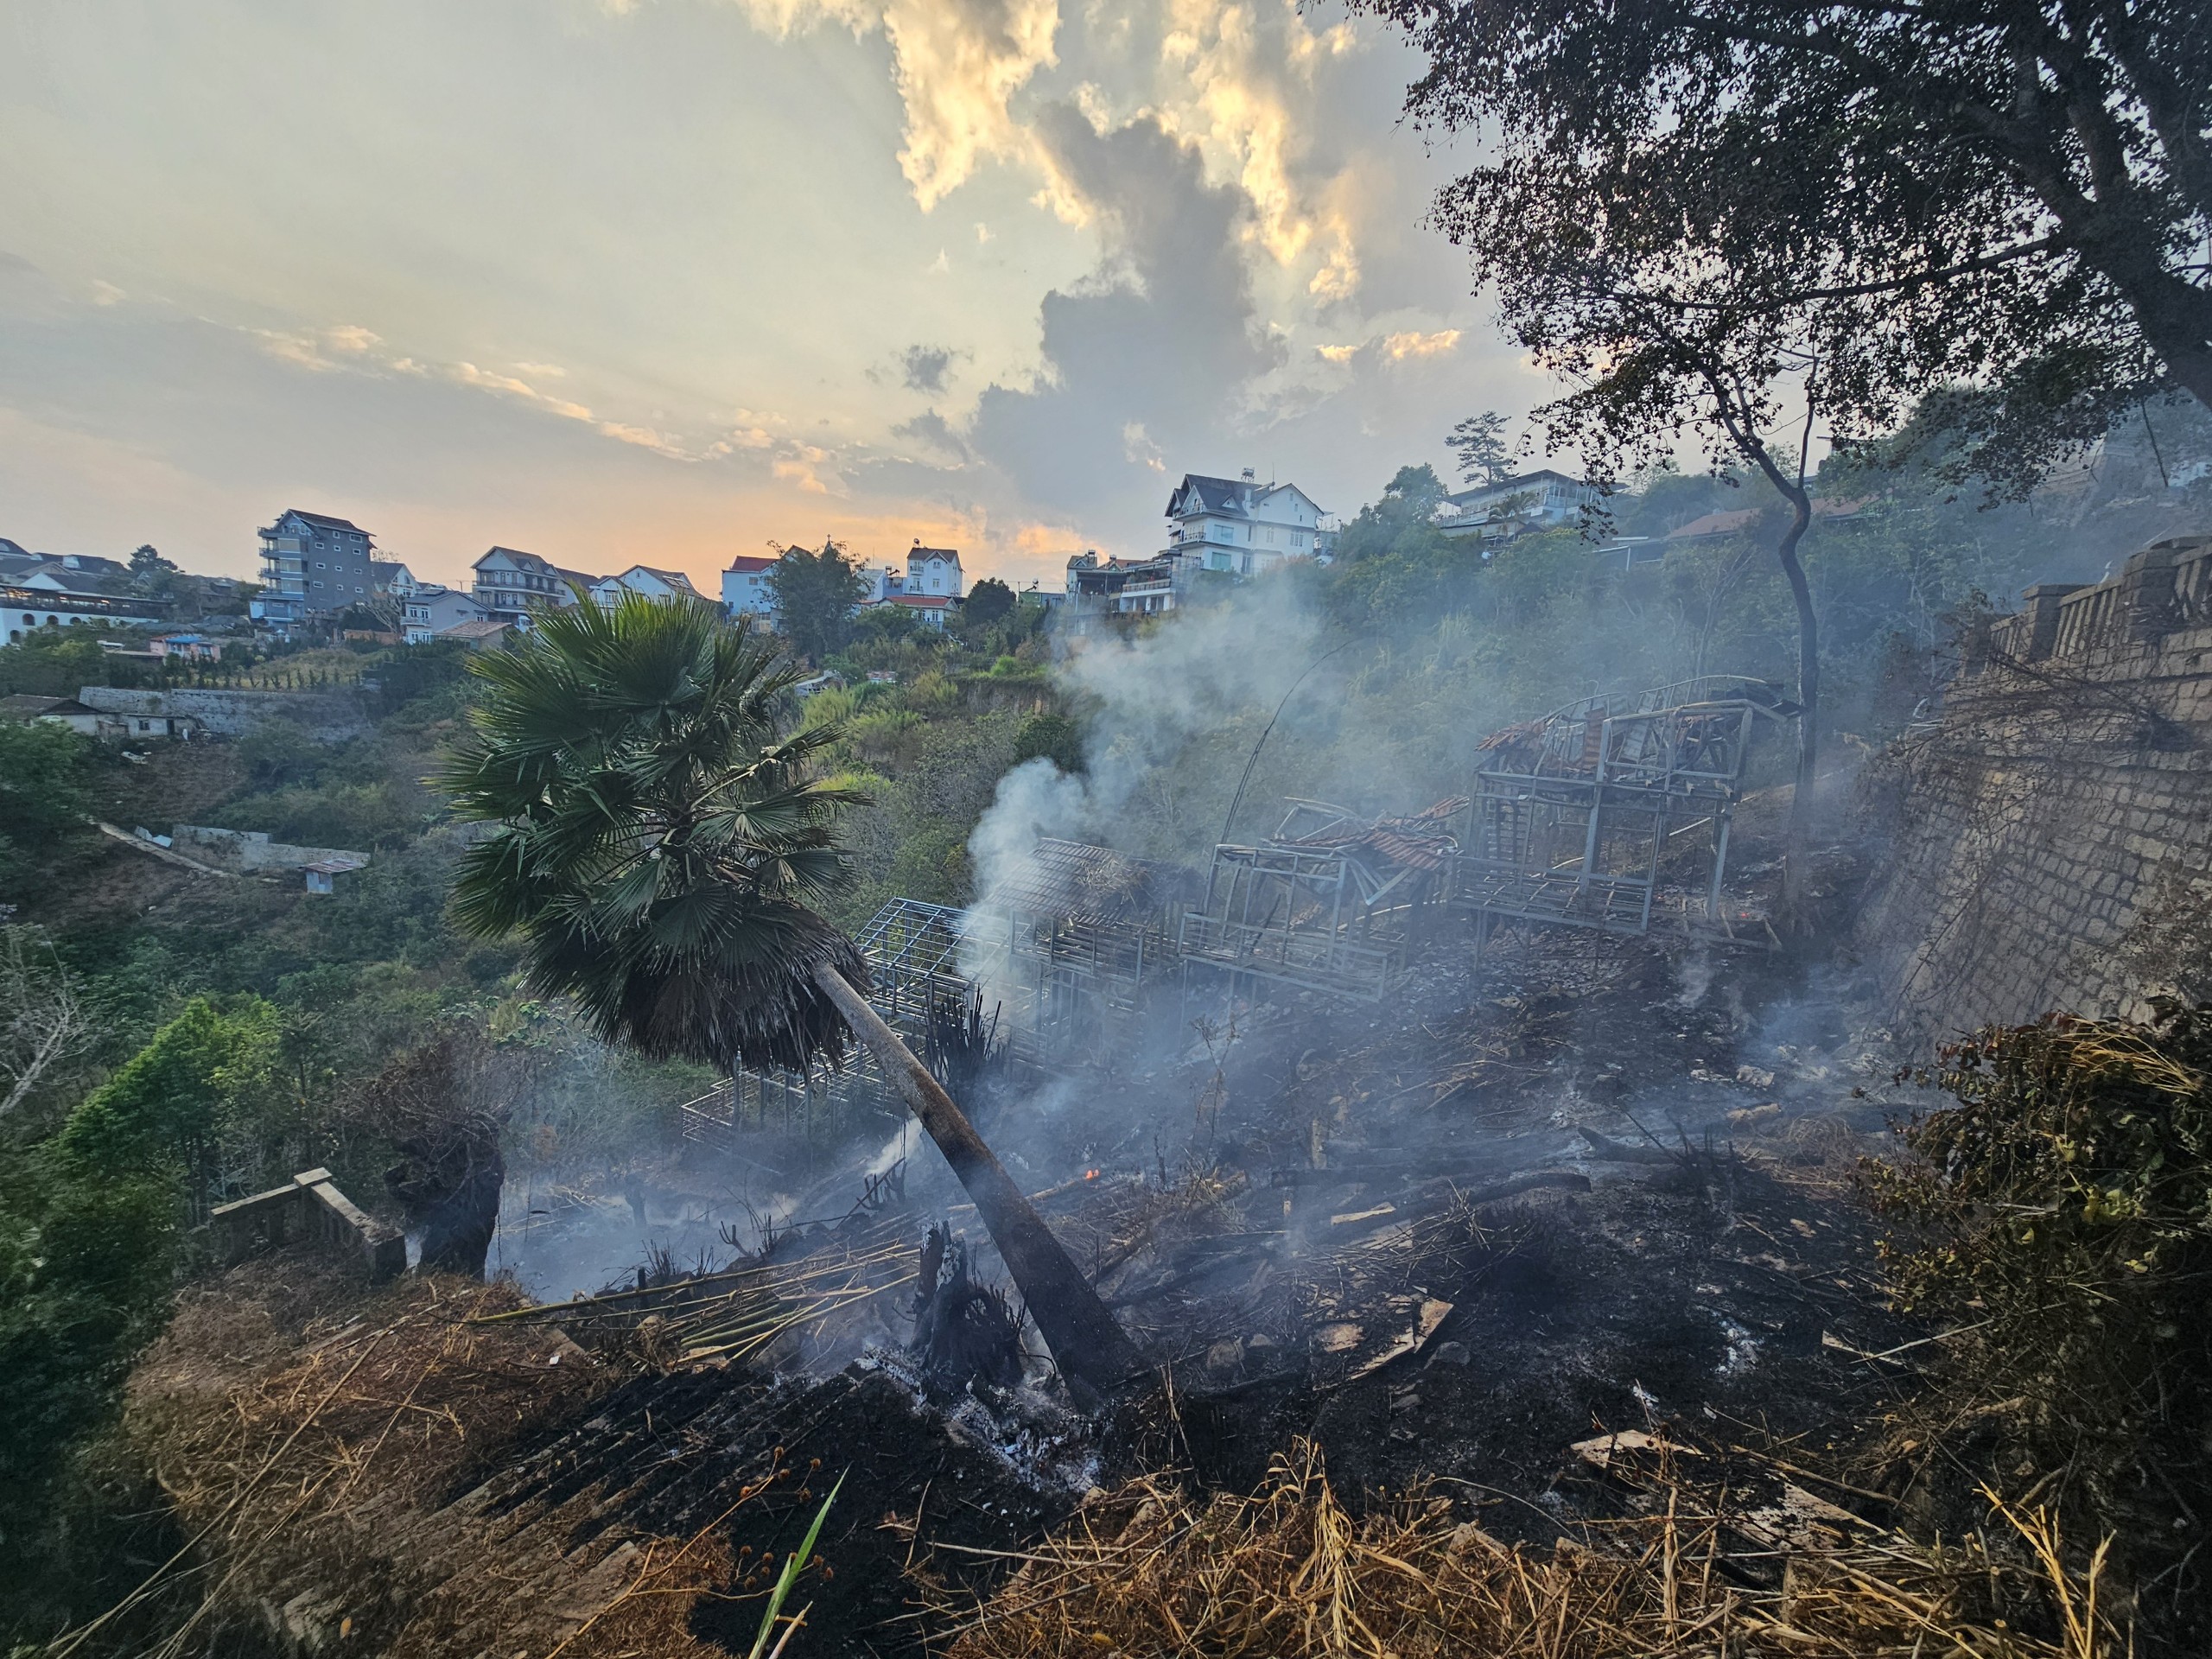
point(1138, 447)
point(958, 63)
point(1412, 343)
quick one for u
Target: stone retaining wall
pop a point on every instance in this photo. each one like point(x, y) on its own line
point(2067, 776)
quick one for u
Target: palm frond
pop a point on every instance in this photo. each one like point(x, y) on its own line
point(660, 836)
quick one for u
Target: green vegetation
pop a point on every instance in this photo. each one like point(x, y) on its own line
point(814, 591)
point(2058, 1218)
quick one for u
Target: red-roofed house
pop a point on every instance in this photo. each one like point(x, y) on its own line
point(745, 587)
point(932, 609)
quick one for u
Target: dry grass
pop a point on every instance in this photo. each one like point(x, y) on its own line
point(1290, 1574)
point(338, 1478)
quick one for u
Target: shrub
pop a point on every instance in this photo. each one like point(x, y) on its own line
point(2060, 1212)
point(42, 791)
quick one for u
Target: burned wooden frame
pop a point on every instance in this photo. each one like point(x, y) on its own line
point(1574, 818)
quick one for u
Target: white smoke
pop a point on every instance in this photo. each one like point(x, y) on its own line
point(1147, 699)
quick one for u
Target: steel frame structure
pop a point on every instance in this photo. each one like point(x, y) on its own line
point(912, 951)
point(1309, 918)
point(1573, 816)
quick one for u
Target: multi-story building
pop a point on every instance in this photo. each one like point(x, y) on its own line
point(745, 587)
point(510, 584)
point(311, 565)
point(1099, 589)
point(934, 571)
point(1244, 526)
point(1542, 500)
point(643, 578)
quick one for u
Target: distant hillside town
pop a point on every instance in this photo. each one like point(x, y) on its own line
point(324, 578)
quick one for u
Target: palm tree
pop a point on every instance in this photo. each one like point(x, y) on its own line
point(661, 843)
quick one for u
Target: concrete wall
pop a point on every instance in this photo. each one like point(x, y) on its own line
point(2068, 772)
point(251, 850)
point(310, 1210)
point(328, 716)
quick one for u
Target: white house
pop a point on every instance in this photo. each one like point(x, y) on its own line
point(931, 587)
point(391, 579)
point(511, 583)
point(645, 580)
point(59, 711)
point(1242, 525)
point(432, 610)
point(934, 571)
point(1542, 500)
point(880, 584)
point(745, 587)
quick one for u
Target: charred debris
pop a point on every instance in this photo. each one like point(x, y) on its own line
point(1481, 1181)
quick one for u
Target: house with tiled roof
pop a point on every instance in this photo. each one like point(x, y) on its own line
point(312, 565)
point(510, 583)
point(1242, 526)
point(642, 580)
point(745, 586)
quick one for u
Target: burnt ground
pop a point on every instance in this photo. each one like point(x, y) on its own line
point(680, 1449)
point(1601, 1183)
point(1598, 1184)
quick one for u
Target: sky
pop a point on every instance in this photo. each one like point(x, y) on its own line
point(663, 281)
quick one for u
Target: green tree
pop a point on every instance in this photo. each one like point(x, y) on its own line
point(1403, 520)
point(815, 595)
point(1479, 441)
point(42, 782)
point(662, 848)
point(153, 576)
point(989, 601)
point(206, 1071)
point(2010, 196)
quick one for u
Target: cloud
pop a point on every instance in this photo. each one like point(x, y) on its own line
point(1403, 346)
point(1248, 96)
point(1400, 346)
point(958, 64)
point(932, 429)
point(740, 438)
point(1137, 446)
point(924, 368)
point(1162, 336)
point(469, 375)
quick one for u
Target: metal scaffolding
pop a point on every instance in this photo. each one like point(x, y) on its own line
point(1076, 937)
point(1614, 813)
point(1332, 902)
point(912, 951)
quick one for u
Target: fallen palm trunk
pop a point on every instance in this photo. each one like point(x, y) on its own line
point(1086, 1344)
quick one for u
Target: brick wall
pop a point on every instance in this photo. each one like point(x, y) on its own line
point(2068, 770)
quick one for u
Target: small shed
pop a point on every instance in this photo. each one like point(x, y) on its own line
point(323, 873)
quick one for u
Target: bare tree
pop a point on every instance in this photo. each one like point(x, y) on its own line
point(43, 1022)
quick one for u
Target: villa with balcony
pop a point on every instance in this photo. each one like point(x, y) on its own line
point(312, 565)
